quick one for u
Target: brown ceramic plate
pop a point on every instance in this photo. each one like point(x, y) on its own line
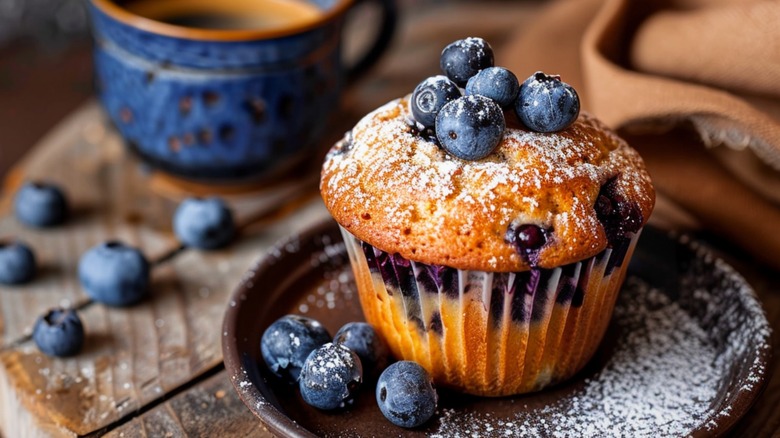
point(686, 352)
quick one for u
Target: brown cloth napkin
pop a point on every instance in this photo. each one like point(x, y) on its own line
point(676, 77)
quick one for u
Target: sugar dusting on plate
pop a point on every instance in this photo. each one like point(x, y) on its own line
point(663, 377)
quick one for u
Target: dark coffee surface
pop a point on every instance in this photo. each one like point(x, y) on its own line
point(210, 21)
point(225, 14)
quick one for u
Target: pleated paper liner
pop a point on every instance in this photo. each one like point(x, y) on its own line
point(486, 333)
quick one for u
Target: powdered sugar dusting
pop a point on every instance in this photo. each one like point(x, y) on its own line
point(473, 43)
point(393, 181)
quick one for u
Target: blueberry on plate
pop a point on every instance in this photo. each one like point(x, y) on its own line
point(287, 342)
point(40, 204)
point(496, 83)
point(115, 274)
point(205, 223)
point(462, 59)
point(547, 104)
point(330, 377)
point(59, 332)
point(406, 395)
point(430, 96)
point(470, 127)
point(372, 350)
point(17, 262)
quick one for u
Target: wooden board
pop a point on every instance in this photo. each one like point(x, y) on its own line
point(137, 355)
point(155, 369)
point(185, 415)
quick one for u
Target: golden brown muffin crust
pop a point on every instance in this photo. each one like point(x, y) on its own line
point(403, 194)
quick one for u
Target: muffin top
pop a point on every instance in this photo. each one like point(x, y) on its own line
point(537, 200)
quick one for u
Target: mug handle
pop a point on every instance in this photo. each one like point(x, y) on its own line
point(389, 11)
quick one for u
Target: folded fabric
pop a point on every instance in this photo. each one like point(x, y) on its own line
point(659, 70)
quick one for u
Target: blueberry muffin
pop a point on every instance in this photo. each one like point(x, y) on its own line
point(485, 250)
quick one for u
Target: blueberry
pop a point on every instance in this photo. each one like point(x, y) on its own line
point(547, 104)
point(470, 127)
point(496, 83)
point(40, 204)
point(427, 134)
point(462, 59)
point(406, 395)
point(361, 338)
point(59, 332)
point(115, 274)
point(287, 342)
point(17, 263)
point(342, 146)
point(430, 96)
point(204, 223)
point(527, 239)
point(619, 216)
point(331, 377)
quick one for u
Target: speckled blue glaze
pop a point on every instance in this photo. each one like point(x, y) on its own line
point(218, 110)
point(265, 54)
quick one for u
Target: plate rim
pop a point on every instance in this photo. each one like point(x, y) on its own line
point(275, 420)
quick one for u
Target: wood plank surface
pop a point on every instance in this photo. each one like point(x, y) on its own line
point(183, 415)
point(137, 355)
point(155, 369)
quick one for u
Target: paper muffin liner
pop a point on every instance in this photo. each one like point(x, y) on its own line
point(490, 333)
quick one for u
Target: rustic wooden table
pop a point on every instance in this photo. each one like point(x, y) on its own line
point(156, 369)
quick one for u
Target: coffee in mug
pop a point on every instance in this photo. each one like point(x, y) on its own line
point(227, 14)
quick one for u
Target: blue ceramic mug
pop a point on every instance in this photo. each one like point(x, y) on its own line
point(224, 89)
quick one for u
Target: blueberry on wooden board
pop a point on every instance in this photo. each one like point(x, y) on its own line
point(205, 223)
point(114, 273)
point(40, 204)
point(59, 332)
point(17, 262)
